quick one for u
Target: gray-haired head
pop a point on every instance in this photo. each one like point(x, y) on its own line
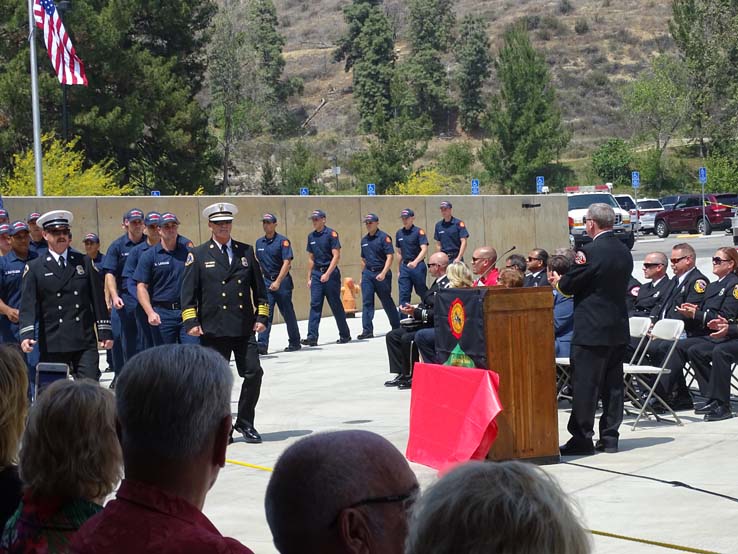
point(171, 400)
point(602, 214)
point(516, 261)
point(311, 500)
point(508, 507)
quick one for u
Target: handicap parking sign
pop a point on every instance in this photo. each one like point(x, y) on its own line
point(304, 191)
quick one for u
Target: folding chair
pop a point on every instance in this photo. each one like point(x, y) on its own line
point(665, 329)
point(563, 378)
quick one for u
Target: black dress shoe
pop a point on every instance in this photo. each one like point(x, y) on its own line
point(343, 340)
point(406, 383)
point(263, 350)
point(719, 413)
point(250, 434)
point(681, 403)
point(393, 382)
point(577, 449)
point(309, 342)
point(603, 447)
point(292, 348)
point(363, 336)
point(706, 408)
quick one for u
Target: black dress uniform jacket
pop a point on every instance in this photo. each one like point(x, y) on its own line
point(67, 303)
point(692, 291)
point(598, 281)
point(423, 314)
point(720, 299)
point(648, 296)
point(217, 295)
point(539, 280)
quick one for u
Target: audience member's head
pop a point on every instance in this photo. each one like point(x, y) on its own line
point(70, 448)
point(537, 260)
point(437, 264)
point(655, 265)
point(516, 261)
point(459, 275)
point(600, 217)
point(483, 260)
point(567, 252)
point(340, 492)
point(510, 278)
point(683, 258)
point(509, 507)
point(13, 402)
point(557, 264)
point(174, 412)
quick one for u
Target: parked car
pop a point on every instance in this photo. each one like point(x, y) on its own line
point(578, 204)
point(686, 215)
point(647, 210)
point(626, 202)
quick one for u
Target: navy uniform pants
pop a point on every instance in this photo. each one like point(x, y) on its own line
point(410, 278)
point(383, 289)
point(330, 290)
point(171, 330)
point(282, 298)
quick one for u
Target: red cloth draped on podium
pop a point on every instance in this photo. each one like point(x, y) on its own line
point(452, 412)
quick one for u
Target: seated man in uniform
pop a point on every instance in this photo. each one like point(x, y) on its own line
point(399, 340)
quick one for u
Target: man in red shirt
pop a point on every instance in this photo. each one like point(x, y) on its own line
point(483, 265)
point(174, 416)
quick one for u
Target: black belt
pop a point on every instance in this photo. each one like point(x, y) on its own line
point(272, 277)
point(375, 270)
point(323, 269)
point(168, 305)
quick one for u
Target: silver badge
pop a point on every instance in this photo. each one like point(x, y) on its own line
point(722, 291)
point(80, 270)
point(244, 262)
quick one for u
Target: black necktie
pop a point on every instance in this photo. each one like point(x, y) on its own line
point(224, 248)
point(61, 262)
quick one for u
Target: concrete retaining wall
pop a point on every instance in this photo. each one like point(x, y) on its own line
point(499, 221)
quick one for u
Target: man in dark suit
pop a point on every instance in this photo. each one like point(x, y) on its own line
point(220, 278)
point(62, 291)
point(399, 340)
point(536, 266)
point(598, 282)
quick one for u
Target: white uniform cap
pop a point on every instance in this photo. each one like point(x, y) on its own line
point(55, 219)
point(221, 211)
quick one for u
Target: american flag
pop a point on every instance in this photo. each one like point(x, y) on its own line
point(68, 66)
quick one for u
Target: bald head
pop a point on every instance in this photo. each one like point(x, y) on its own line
point(437, 264)
point(483, 259)
point(316, 483)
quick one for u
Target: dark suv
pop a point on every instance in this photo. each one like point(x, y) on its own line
point(686, 214)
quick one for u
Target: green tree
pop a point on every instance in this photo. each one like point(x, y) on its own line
point(300, 169)
point(66, 172)
point(457, 159)
point(421, 86)
point(475, 62)
point(656, 102)
point(612, 161)
point(524, 119)
point(431, 24)
point(268, 181)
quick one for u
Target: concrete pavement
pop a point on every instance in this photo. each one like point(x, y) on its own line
point(341, 387)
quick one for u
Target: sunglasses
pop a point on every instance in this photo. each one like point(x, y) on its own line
point(407, 500)
point(531, 259)
point(650, 265)
point(58, 232)
point(718, 261)
point(677, 260)
point(475, 260)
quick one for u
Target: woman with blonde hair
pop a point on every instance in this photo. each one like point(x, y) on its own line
point(13, 410)
point(505, 508)
point(459, 275)
point(70, 460)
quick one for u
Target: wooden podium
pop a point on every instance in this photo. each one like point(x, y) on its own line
point(518, 327)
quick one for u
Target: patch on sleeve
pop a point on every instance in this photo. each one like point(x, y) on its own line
point(285, 243)
point(422, 232)
point(387, 239)
point(25, 270)
point(700, 285)
point(634, 291)
point(735, 292)
point(190, 259)
point(462, 224)
point(189, 245)
point(334, 234)
point(580, 258)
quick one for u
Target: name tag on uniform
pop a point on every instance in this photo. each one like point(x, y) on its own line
point(157, 264)
point(12, 272)
point(261, 249)
point(441, 232)
point(312, 242)
point(48, 274)
point(209, 264)
point(363, 245)
point(400, 239)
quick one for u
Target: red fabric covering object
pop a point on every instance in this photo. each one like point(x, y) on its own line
point(452, 412)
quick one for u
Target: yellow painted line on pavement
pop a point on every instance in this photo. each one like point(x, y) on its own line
point(253, 466)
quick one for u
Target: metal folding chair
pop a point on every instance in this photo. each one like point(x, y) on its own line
point(563, 378)
point(665, 329)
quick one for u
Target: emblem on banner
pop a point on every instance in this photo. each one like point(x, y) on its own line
point(456, 318)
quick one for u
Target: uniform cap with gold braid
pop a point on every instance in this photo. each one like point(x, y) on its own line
point(220, 211)
point(57, 219)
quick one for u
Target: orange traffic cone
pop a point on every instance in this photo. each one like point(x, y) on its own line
point(349, 290)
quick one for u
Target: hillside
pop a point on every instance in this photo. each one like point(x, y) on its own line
point(588, 67)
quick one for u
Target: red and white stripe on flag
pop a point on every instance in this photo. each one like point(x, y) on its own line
point(68, 66)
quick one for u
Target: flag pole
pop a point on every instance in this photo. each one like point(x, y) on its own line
point(34, 100)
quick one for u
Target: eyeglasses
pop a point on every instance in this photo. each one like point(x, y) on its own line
point(650, 265)
point(434, 265)
point(407, 499)
point(677, 260)
point(58, 232)
point(531, 259)
point(718, 261)
point(475, 260)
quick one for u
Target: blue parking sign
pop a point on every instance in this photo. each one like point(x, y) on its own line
point(540, 181)
point(703, 175)
point(371, 189)
point(475, 186)
point(304, 191)
point(155, 193)
point(635, 179)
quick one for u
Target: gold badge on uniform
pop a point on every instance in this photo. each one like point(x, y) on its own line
point(735, 292)
point(244, 262)
point(190, 258)
point(80, 270)
point(699, 286)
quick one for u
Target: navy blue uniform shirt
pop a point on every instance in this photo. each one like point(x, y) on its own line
point(162, 271)
point(410, 241)
point(39, 246)
point(271, 253)
point(116, 257)
point(449, 234)
point(321, 245)
point(375, 249)
point(11, 275)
